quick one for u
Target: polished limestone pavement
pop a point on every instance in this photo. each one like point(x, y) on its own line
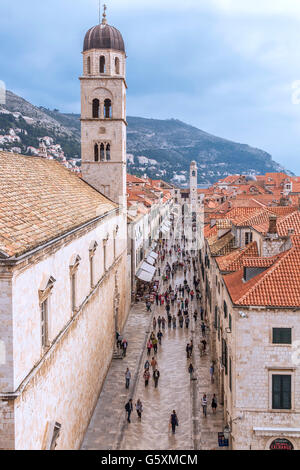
point(109, 429)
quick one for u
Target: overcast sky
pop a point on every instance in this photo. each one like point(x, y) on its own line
point(225, 66)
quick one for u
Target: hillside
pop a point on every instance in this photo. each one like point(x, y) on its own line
point(158, 148)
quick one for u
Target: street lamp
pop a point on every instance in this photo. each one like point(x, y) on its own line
point(227, 432)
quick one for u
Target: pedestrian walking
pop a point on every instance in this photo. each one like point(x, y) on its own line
point(147, 365)
point(124, 346)
point(203, 328)
point(191, 370)
point(155, 343)
point(127, 378)
point(163, 323)
point(153, 363)
point(214, 404)
point(139, 408)
point(154, 323)
point(149, 347)
point(187, 322)
point(156, 375)
point(174, 421)
point(212, 371)
point(129, 408)
point(181, 320)
point(195, 315)
point(148, 305)
point(174, 322)
point(204, 405)
point(188, 350)
point(159, 336)
point(146, 377)
point(157, 298)
point(159, 322)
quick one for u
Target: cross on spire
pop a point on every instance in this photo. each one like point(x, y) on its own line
point(104, 20)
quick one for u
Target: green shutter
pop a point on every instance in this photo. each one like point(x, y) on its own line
point(282, 335)
point(281, 392)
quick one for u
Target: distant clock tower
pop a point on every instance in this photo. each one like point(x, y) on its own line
point(103, 111)
point(193, 186)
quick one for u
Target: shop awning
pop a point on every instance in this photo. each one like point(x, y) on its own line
point(165, 229)
point(150, 260)
point(144, 275)
point(147, 267)
point(153, 255)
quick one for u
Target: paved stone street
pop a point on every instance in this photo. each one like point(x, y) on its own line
point(109, 429)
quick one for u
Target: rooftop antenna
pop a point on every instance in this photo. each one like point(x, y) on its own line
point(99, 11)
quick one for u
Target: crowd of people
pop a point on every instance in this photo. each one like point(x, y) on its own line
point(176, 305)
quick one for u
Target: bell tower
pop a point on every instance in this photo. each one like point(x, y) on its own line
point(103, 111)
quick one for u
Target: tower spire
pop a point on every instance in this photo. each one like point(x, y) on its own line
point(104, 20)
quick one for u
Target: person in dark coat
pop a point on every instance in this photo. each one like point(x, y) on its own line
point(129, 408)
point(156, 375)
point(174, 421)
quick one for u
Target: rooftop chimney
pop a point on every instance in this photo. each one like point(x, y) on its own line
point(272, 224)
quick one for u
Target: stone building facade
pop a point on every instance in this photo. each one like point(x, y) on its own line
point(252, 305)
point(62, 299)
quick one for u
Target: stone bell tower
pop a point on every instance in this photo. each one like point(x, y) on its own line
point(103, 111)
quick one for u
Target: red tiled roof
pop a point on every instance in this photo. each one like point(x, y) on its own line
point(277, 286)
point(234, 261)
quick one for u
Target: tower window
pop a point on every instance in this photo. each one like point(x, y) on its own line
point(108, 152)
point(117, 65)
point(96, 108)
point(102, 64)
point(102, 153)
point(193, 173)
point(89, 65)
point(96, 152)
point(107, 109)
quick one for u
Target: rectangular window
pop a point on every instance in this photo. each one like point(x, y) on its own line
point(104, 257)
point(115, 250)
point(92, 271)
point(230, 375)
point(44, 323)
point(216, 318)
point(73, 292)
point(230, 322)
point(248, 238)
point(282, 336)
point(224, 355)
point(225, 309)
point(281, 392)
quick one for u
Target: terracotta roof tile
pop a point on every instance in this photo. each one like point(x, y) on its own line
point(277, 286)
point(40, 200)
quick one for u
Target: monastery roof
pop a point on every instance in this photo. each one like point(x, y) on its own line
point(134, 179)
point(40, 200)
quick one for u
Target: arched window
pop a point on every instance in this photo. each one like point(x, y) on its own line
point(117, 65)
point(193, 173)
point(107, 152)
point(107, 109)
point(96, 108)
point(102, 153)
point(102, 64)
point(96, 153)
point(89, 65)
